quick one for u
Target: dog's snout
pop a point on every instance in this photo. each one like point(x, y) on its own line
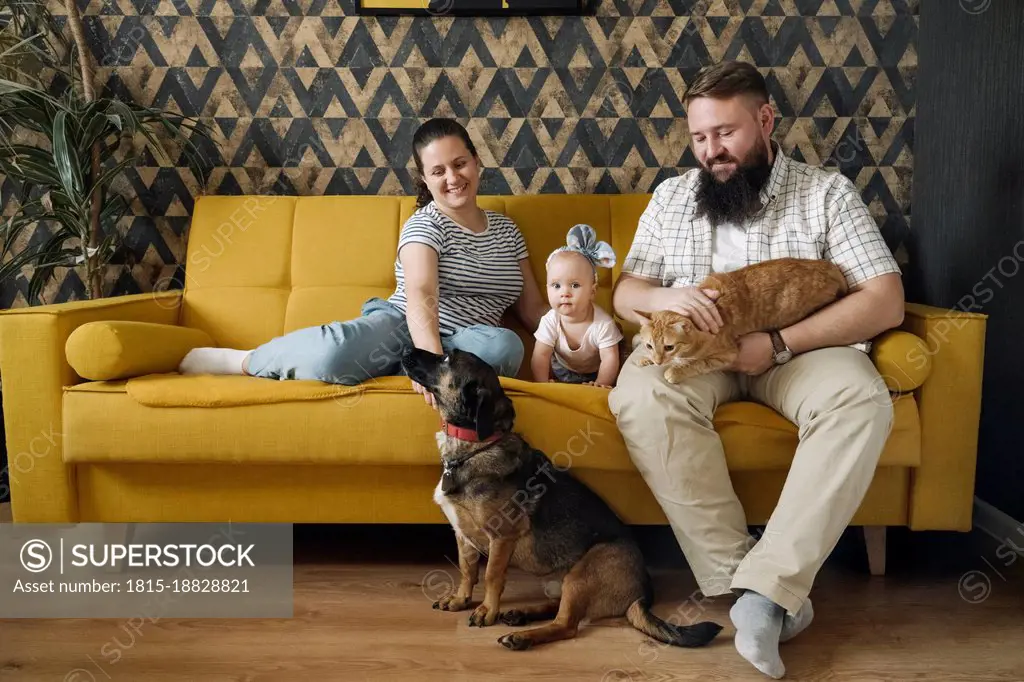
point(422, 366)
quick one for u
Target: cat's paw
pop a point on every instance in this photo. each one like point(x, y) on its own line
point(644, 361)
point(675, 374)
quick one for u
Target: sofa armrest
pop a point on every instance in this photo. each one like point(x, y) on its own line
point(949, 404)
point(34, 372)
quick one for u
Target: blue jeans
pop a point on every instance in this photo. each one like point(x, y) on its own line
point(372, 346)
point(567, 376)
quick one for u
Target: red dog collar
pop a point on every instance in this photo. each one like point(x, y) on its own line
point(463, 433)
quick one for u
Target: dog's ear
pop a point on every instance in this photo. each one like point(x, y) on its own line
point(484, 413)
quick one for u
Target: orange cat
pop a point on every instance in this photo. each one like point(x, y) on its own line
point(772, 294)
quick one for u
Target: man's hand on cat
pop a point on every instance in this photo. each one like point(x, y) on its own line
point(755, 354)
point(697, 304)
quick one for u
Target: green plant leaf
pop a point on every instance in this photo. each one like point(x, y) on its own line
point(13, 267)
point(36, 284)
point(176, 127)
point(51, 254)
point(27, 16)
point(59, 166)
point(109, 174)
point(33, 166)
point(9, 270)
point(12, 49)
point(13, 227)
point(12, 86)
point(95, 130)
point(14, 113)
point(115, 107)
point(114, 207)
point(107, 248)
point(64, 156)
point(75, 222)
point(60, 258)
point(18, 58)
point(56, 240)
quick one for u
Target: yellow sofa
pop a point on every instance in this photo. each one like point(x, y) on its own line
point(163, 447)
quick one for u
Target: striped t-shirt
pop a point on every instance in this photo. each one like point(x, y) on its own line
point(478, 274)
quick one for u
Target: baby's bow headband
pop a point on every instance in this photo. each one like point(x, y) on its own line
point(583, 239)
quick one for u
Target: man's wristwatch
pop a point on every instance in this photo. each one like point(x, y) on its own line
point(781, 354)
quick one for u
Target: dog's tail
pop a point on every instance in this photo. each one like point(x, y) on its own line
point(639, 616)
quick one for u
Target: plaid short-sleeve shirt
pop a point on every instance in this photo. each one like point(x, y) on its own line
point(809, 212)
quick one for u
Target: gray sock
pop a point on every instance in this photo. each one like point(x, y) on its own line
point(758, 622)
point(794, 625)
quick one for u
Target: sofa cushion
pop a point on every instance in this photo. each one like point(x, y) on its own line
point(208, 390)
point(545, 220)
point(386, 423)
point(119, 349)
point(239, 268)
point(343, 252)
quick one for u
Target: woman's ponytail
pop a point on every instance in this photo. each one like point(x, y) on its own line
point(423, 195)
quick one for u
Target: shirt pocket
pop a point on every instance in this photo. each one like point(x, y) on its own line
point(683, 246)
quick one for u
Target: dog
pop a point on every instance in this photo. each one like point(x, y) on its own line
point(505, 500)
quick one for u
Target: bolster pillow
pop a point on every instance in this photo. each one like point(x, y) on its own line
point(902, 359)
point(121, 349)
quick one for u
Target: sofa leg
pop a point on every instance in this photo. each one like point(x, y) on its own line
point(874, 538)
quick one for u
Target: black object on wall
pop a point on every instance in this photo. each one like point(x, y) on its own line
point(966, 243)
point(5, 486)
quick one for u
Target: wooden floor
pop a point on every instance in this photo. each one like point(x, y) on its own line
point(362, 612)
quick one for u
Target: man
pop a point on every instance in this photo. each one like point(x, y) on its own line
point(748, 202)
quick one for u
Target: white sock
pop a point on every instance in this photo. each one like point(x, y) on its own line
point(794, 625)
point(758, 622)
point(213, 361)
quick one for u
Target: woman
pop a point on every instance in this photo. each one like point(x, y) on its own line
point(458, 269)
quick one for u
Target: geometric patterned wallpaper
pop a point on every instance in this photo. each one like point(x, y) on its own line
point(306, 97)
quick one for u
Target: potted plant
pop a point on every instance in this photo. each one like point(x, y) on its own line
point(67, 149)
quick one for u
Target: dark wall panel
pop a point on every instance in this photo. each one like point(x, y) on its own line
point(966, 245)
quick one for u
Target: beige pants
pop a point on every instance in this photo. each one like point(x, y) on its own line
point(831, 394)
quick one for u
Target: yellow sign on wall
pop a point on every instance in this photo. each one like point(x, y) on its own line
point(470, 7)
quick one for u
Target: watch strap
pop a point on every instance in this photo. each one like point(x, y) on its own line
point(778, 345)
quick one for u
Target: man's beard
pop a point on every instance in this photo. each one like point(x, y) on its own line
point(736, 199)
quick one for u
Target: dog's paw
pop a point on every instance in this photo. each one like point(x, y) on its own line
point(452, 603)
point(512, 617)
point(483, 616)
point(515, 641)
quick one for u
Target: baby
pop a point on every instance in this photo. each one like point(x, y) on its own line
point(577, 341)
